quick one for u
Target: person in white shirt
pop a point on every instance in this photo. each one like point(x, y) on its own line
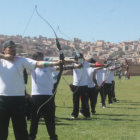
point(80, 83)
point(12, 90)
point(108, 83)
point(126, 74)
point(80, 88)
point(113, 70)
point(42, 91)
point(99, 80)
point(92, 91)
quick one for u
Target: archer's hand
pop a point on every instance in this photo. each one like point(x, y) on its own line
point(59, 62)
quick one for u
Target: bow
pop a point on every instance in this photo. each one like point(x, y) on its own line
point(61, 57)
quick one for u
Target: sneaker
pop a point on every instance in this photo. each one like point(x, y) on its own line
point(104, 107)
point(80, 113)
point(73, 117)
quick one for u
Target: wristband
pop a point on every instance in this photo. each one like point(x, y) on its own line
point(49, 64)
point(46, 64)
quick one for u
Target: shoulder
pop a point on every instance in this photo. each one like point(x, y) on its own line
point(23, 59)
point(87, 64)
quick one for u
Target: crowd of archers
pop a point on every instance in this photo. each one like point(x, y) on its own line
point(89, 79)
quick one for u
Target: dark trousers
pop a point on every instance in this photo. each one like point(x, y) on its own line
point(14, 108)
point(107, 87)
point(28, 106)
point(102, 93)
point(47, 111)
point(92, 97)
point(113, 91)
point(81, 92)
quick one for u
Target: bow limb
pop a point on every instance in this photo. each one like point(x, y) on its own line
point(56, 38)
point(61, 57)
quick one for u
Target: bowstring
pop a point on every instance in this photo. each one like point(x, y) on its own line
point(28, 22)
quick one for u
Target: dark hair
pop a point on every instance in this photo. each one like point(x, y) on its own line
point(37, 55)
point(8, 44)
point(91, 60)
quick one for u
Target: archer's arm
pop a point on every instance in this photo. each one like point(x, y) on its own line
point(71, 67)
point(95, 65)
point(108, 65)
point(116, 68)
point(43, 64)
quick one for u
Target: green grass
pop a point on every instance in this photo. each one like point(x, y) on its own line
point(120, 121)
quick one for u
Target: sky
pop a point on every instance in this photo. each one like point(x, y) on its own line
point(89, 20)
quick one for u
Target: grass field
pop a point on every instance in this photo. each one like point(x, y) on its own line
point(119, 121)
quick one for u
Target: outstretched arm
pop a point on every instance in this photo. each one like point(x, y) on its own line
point(71, 67)
point(42, 64)
point(96, 65)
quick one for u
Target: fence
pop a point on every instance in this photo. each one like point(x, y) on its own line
point(134, 69)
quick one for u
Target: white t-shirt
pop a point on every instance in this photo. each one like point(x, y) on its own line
point(110, 74)
point(80, 75)
point(90, 71)
point(11, 75)
point(42, 81)
point(101, 76)
point(54, 75)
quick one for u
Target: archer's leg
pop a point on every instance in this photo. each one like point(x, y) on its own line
point(102, 97)
point(17, 111)
point(4, 119)
point(94, 101)
point(34, 118)
point(76, 96)
point(113, 92)
point(49, 116)
point(84, 101)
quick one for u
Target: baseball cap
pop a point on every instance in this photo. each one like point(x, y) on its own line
point(8, 44)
